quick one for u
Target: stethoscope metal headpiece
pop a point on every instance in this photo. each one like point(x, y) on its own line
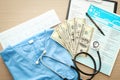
point(38, 60)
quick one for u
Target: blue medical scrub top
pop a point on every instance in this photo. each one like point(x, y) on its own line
point(21, 59)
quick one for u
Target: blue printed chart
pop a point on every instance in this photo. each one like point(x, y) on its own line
point(109, 47)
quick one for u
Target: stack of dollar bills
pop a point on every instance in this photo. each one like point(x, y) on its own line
point(74, 35)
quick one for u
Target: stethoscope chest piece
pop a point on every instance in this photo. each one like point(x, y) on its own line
point(95, 45)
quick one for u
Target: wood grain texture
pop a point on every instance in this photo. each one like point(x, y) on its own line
point(14, 12)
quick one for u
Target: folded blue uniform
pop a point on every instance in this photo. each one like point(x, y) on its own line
point(39, 58)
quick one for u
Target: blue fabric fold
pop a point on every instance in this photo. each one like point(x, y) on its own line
point(21, 59)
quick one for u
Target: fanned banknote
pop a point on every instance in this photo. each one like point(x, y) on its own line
point(74, 35)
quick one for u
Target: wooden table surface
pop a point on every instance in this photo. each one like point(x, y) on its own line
point(14, 12)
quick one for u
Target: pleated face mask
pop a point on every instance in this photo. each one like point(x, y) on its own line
point(39, 58)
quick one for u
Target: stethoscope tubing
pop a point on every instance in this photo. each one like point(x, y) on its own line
point(61, 76)
point(74, 67)
point(94, 71)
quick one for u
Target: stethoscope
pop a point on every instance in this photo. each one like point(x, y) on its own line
point(95, 71)
point(96, 46)
point(40, 59)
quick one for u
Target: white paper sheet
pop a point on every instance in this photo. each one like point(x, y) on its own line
point(78, 8)
point(28, 28)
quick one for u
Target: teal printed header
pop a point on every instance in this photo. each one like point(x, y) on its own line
point(105, 17)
